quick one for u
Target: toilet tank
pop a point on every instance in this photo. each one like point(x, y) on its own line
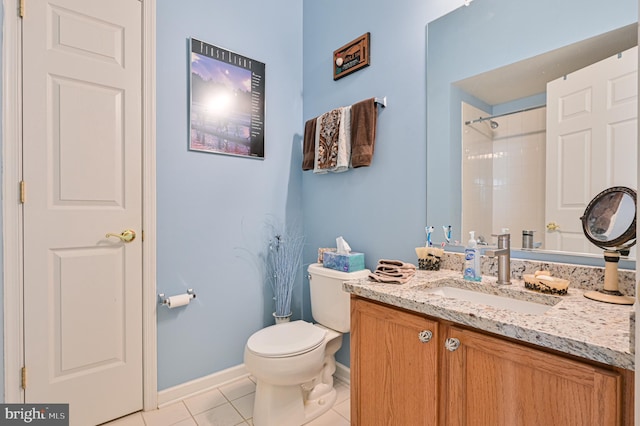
point(330, 305)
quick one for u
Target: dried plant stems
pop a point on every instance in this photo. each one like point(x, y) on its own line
point(284, 259)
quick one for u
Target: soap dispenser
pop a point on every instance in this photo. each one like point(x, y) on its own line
point(472, 260)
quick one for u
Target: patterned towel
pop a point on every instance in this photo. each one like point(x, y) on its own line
point(333, 141)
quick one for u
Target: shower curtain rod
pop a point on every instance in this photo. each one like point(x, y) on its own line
point(478, 120)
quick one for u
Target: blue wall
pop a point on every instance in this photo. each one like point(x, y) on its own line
point(380, 210)
point(214, 210)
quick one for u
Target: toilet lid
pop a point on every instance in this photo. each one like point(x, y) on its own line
point(286, 339)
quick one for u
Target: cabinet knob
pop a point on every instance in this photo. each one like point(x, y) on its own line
point(451, 344)
point(425, 336)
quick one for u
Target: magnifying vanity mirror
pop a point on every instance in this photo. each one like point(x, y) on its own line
point(609, 222)
point(488, 65)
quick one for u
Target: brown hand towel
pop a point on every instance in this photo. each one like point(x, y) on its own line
point(396, 264)
point(389, 280)
point(394, 274)
point(309, 144)
point(393, 270)
point(363, 132)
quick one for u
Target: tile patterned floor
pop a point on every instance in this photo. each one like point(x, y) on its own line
point(228, 405)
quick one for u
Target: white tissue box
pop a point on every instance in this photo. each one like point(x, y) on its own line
point(351, 262)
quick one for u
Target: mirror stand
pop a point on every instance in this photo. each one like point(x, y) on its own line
point(610, 292)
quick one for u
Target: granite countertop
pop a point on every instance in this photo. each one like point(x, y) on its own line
point(574, 325)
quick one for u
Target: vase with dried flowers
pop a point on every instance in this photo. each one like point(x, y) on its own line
point(283, 262)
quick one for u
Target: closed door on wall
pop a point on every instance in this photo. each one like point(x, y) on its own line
point(591, 143)
point(82, 164)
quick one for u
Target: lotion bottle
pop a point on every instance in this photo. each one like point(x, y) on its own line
point(472, 260)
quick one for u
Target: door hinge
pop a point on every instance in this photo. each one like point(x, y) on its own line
point(22, 192)
point(24, 377)
point(22, 8)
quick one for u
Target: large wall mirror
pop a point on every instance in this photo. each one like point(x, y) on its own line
point(496, 71)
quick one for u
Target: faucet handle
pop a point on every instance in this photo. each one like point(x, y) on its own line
point(503, 232)
point(507, 235)
point(504, 240)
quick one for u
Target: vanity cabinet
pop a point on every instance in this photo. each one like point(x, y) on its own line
point(490, 381)
point(464, 377)
point(394, 367)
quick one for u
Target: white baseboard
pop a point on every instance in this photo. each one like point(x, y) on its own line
point(212, 381)
point(343, 374)
point(187, 389)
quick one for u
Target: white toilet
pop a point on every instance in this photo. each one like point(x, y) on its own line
point(294, 362)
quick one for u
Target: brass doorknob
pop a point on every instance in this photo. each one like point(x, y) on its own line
point(126, 236)
point(552, 226)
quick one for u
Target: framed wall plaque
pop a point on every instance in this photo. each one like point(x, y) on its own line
point(351, 57)
point(227, 102)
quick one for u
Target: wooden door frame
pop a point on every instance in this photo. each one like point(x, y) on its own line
point(12, 219)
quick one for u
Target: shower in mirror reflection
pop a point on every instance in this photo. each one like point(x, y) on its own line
point(503, 165)
point(492, 124)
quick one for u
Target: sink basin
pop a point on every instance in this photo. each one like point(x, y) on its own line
point(496, 301)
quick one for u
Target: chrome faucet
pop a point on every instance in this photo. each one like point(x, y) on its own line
point(503, 253)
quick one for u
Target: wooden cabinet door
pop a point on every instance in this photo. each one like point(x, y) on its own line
point(394, 374)
point(490, 381)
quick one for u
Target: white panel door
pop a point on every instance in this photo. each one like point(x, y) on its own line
point(82, 169)
point(591, 143)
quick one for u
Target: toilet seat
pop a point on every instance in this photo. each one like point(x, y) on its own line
point(284, 340)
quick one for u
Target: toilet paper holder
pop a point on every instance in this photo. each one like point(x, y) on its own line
point(164, 301)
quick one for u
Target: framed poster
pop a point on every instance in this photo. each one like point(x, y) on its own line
point(227, 100)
